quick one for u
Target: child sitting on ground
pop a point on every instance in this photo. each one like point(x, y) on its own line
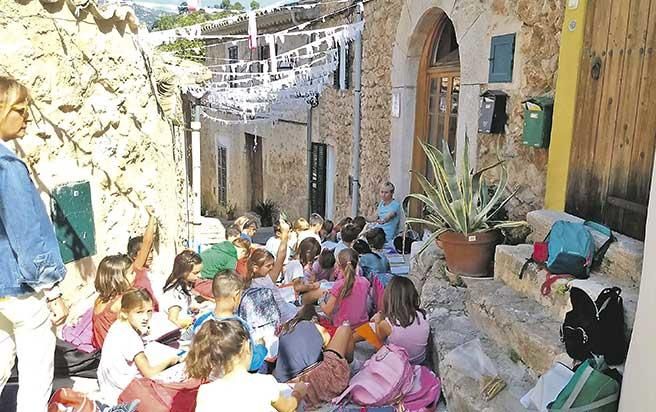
point(349, 233)
point(177, 301)
point(315, 224)
point(402, 321)
point(327, 232)
point(347, 300)
point(370, 261)
point(299, 272)
point(243, 247)
point(221, 353)
point(232, 233)
point(140, 250)
point(227, 289)
point(324, 267)
point(300, 225)
point(114, 277)
point(273, 242)
point(302, 357)
point(123, 357)
point(376, 239)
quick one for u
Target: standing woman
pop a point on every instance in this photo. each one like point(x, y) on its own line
point(30, 265)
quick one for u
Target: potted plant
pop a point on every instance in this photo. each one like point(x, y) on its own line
point(460, 210)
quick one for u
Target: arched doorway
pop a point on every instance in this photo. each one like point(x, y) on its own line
point(438, 93)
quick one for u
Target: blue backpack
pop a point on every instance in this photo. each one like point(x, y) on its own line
point(571, 249)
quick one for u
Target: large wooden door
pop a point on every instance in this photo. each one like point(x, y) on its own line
point(615, 132)
point(438, 94)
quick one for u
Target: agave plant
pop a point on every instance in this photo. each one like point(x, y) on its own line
point(460, 202)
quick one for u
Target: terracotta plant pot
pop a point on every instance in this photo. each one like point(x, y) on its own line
point(470, 255)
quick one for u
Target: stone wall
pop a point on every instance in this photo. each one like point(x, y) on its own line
point(336, 111)
point(535, 74)
point(96, 117)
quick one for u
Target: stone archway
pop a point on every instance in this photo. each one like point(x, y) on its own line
point(417, 22)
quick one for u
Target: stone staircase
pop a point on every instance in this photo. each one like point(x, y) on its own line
point(518, 326)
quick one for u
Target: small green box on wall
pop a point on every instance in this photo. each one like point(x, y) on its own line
point(72, 215)
point(538, 113)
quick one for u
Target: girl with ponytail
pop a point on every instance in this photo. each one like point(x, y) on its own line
point(347, 300)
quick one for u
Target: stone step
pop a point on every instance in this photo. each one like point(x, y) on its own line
point(623, 259)
point(508, 263)
point(451, 327)
point(519, 324)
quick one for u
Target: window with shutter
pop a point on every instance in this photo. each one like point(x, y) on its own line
point(222, 175)
point(233, 56)
point(342, 75)
point(502, 56)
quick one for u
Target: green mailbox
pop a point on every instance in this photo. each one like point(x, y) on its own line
point(538, 113)
point(72, 215)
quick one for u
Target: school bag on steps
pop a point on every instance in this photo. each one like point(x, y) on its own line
point(595, 327)
point(570, 249)
point(385, 379)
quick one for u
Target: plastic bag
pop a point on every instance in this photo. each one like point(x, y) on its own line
point(470, 360)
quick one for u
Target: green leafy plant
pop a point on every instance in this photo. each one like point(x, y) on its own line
point(266, 210)
point(460, 202)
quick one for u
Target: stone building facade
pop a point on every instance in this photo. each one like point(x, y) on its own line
point(104, 112)
point(395, 35)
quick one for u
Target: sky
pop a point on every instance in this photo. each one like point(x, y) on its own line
point(172, 5)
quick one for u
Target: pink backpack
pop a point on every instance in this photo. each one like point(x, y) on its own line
point(425, 391)
point(80, 334)
point(385, 379)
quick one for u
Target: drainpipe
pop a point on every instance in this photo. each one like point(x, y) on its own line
point(195, 164)
point(357, 117)
point(309, 160)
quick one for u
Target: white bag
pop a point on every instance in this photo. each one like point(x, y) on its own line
point(547, 388)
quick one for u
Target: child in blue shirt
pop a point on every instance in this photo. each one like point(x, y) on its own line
point(227, 289)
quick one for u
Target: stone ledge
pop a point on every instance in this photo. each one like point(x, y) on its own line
point(623, 259)
point(451, 327)
point(508, 263)
point(515, 322)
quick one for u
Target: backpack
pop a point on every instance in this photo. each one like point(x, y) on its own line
point(385, 379)
point(595, 328)
point(425, 391)
point(157, 396)
point(259, 309)
point(589, 390)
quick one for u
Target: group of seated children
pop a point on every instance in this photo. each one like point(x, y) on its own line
point(283, 325)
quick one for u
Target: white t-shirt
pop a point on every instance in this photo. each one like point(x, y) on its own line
point(293, 270)
point(117, 367)
point(340, 246)
point(272, 246)
point(287, 310)
point(242, 391)
point(306, 234)
point(175, 297)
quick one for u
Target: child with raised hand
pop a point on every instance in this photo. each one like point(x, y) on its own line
point(221, 353)
point(123, 357)
point(370, 261)
point(347, 300)
point(140, 250)
point(227, 289)
point(114, 277)
point(177, 301)
point(402, 321)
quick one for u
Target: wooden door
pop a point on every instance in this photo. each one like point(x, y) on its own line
point(254, 148)
point(615, 132)
point(438, 94)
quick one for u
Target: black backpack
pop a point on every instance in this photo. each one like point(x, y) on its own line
point(595, 328)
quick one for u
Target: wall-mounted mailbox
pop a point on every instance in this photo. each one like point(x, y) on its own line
point(72, 215)
point(492, 112)
point(538, 113)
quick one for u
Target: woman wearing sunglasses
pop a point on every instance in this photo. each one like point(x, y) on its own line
point(30, 264)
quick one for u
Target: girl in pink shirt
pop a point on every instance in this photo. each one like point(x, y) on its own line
point(347, 300)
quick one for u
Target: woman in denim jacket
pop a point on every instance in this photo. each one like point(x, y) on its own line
point(30, 265)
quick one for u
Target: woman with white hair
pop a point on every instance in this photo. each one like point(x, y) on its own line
point(30, 265)
point(388, 213)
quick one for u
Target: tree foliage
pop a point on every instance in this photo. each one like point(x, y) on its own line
point(237, 6)
point(225, 4)
point(255, 5)
point(183, 48)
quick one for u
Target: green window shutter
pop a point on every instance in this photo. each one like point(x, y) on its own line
point(72, 215)
point(502, 55)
